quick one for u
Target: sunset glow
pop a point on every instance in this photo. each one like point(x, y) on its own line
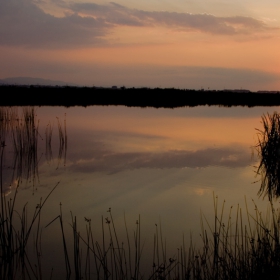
point(179, 44)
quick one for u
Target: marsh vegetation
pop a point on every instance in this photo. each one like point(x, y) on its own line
point(269, 151)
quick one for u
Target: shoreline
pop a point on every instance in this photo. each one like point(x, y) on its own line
point(68, 96)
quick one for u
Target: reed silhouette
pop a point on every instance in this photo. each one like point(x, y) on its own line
point(20, 132)
point(62, 141)
point(268, 148)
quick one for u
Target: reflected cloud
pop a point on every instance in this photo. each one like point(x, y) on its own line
point(112, 162)
point(201, 191)
point(7, 189)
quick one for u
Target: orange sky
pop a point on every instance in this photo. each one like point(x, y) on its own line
point(185, 45)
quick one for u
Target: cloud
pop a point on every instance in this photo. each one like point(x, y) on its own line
point(22, 22)
point(120, 15)
point(183, 77)
point(112, 162)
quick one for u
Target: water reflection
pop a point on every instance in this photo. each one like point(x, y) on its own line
point(269, 151)
point(135, 163)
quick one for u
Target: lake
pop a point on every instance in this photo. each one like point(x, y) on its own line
point(159, 168)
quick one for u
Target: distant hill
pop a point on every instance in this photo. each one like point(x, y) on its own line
point(33, 81)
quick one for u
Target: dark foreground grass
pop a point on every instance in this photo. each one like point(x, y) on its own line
point(238, 246)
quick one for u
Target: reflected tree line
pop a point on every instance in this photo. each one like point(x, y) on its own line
point(19, 135)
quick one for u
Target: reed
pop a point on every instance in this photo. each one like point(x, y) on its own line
point(268, 149)
point(48, 142)
point(20, 131)
point(62, 141)
point(15, 232)
point(239, 246)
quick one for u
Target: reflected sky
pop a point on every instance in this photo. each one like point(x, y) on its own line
point(164, 164)
point(139, 153)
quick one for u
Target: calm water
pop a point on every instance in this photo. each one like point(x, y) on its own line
point(162, 164)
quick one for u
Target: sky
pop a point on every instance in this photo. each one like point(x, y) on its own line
point(198, 44)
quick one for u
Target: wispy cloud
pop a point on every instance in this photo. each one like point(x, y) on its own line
point(22, 22)
point(184, 77)
point(120, 15)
